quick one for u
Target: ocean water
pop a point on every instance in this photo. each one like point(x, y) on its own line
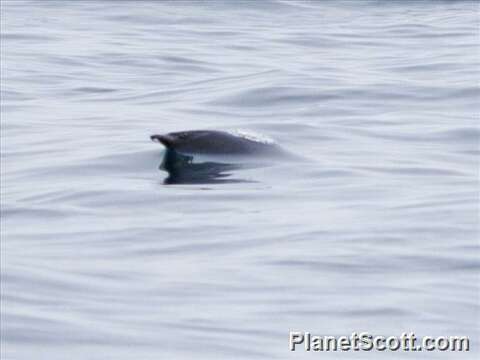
point(375, 228)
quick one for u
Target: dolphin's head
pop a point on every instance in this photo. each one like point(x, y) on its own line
point(214, 142)
point(196, 141)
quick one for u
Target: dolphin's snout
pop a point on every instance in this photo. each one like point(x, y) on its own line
point(165, 140)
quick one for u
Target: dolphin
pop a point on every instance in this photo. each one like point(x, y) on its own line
point(210, 156)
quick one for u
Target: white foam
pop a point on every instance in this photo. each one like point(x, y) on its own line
point(252, 136)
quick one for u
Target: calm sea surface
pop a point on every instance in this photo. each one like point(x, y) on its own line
point(375, 229)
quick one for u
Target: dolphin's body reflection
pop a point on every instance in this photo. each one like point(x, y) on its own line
point(183, 169)
point(212, 156)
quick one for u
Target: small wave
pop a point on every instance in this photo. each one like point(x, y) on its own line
point(94, 90)
point(27, 37)
point(275, 96)
point(413, 171)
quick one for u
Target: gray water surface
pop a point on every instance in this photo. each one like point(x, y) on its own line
point(376, 229)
